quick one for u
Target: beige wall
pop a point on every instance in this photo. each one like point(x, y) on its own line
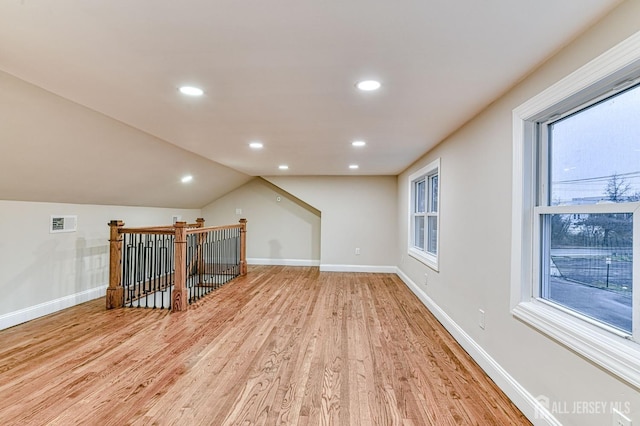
point(280, 228)
point(475, 241)
point(357, 212)
point(59, 269)
point(40, 268)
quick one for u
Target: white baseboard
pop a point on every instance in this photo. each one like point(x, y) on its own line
point(46, 308)
point(283, 262)
point(358, 268)
point(323, 267)
point(530, 406)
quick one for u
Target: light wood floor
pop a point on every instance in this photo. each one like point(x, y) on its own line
point(281, 346)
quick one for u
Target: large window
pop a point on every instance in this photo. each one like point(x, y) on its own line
point(424, 208)
point(576, 211)
point(589, 168)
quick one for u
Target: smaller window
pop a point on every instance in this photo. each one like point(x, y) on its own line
point(424, 190)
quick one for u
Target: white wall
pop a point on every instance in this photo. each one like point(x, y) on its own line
point(278, 232)
point(357, 212)
point(43, 272)
point(475, 252)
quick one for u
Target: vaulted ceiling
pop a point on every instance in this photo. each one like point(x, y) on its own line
point(90, 88)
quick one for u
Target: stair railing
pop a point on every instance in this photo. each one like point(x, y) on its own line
point(172, 266)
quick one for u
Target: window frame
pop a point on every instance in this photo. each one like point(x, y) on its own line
point(606, 346)
point(425, 174)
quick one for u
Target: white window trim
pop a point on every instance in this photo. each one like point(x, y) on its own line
point(608, 348)
point(429, 259)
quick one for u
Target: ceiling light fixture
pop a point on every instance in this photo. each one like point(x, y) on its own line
point(186, 179)
point(256, 145)
point(368, 85)
point(283, 167)
point(354, 166)
point(191, 91)
point(358, 143)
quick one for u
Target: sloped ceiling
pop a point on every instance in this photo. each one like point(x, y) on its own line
point(91, 112)
point(56, 150)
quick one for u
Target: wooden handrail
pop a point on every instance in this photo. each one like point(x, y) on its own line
point(192, 228)
point(212, 228)
point(157, 231)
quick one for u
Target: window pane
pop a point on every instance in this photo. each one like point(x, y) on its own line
point(418, 237)
point(588, 265)
point(595, 153)
point(433, 194)
point(433, 235)
point(420, 196)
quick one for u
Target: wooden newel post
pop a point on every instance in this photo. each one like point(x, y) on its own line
point(115, 292)
point(200, 222)
point(243, 247)
point(180, 296)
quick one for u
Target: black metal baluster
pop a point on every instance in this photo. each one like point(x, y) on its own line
point(196, 278)
point(225, 255)
point(136, 262)
point(190, 284)
point(132, 268)
point(238, 251)
point(148, 257)
point(206, 260)
point(172, 267)
point(126, 267)
point(211, 262)
point(133, 259)
point(224, 259)
point(156, 268)
point(216, 260)
point(166, 285)
point(166, 271)
point(229, 256)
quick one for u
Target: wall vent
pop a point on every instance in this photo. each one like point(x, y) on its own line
point(63, 223)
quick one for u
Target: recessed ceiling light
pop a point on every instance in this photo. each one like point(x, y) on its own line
point(191, 91)
point(358, 143)
point(186, 179)
point(283, 167)
point(256, 145)
point(368, 85)
point(353, 166)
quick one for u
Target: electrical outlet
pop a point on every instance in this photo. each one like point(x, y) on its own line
point(620, 419)
point(426, 279)
point(357, 250)
point(238, 211)
point(481, 318)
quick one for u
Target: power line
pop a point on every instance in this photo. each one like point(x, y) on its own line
point(600, 178)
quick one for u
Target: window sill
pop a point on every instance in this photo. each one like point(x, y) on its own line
point(428, 259)
point(613, 352)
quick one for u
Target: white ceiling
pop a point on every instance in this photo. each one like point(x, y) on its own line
point(283, 72)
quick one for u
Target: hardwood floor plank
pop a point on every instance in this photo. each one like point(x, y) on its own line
point(281, 346)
